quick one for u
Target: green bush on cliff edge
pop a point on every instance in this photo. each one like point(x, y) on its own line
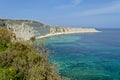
point(19, 61)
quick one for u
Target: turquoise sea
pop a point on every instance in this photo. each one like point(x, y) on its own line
point(88, 56)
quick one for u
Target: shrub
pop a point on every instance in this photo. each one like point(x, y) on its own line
point(5, 36)
point(19, 61)
point(32, 39)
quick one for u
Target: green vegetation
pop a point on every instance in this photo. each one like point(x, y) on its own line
point(32, 39)
point(5, 37)
point(20, 61)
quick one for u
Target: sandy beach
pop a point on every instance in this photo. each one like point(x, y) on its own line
point(49, 35)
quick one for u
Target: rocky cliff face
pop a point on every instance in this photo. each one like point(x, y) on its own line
point(26, 29)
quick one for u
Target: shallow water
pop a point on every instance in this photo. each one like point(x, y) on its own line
point(90, 56)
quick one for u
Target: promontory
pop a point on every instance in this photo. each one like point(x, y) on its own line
point(26, 29)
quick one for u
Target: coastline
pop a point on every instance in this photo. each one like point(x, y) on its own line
point(25, 29)
point(61, 33)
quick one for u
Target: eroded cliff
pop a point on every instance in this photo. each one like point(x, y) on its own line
point(26, 29)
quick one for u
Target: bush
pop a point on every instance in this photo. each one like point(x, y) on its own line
point(19, 61)
point(10, 74)
point(5, 38)
point(5, 35)
point(32, 39)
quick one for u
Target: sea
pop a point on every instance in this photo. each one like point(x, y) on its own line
point(86, 56)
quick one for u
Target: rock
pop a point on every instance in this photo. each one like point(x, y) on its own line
point(25, 29)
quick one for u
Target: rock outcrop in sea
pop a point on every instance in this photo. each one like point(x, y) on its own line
point(26, 29)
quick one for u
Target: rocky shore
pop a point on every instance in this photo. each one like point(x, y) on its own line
point(26, 29)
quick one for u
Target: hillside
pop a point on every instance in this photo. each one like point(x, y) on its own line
point(26, 29)
point(21, 61)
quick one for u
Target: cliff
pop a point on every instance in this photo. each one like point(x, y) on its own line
point(26, 29)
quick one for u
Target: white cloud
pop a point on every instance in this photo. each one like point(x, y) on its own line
point(115, 8)
point(73, 3)
point(76, 2)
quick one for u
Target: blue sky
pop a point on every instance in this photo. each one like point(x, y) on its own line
point(77, 13)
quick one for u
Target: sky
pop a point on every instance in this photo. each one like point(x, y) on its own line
point(76, 13)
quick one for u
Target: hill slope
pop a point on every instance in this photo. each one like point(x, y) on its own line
point(26, 29)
